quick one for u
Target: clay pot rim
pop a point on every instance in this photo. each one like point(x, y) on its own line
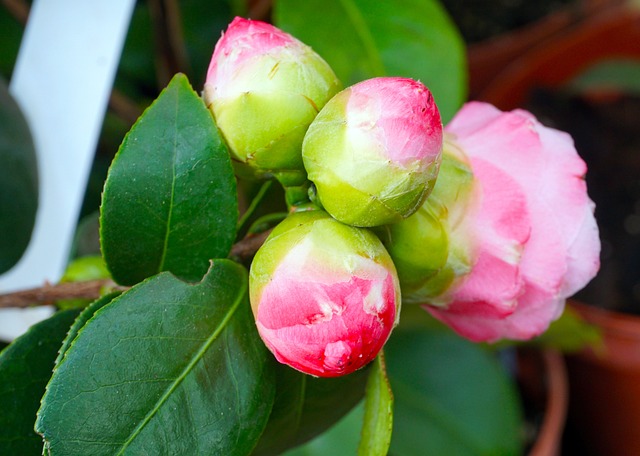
point(550, 434)
point(551, 63)
point(615, 322)
point(498, 51)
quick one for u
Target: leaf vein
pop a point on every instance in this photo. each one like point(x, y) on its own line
point(236, 386)
point(173, 190)
point(184, 373)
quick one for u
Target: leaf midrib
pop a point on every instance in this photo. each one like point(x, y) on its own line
point(173, 189)
point(185, 372)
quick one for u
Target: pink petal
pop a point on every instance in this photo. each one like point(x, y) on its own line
point(536, 172)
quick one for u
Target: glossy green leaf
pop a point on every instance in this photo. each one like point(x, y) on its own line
point(169, 203)
point(451, 397)
point(306, 406)
point(18, 181)
point(378, 412)
point(167, 368)
point(82, 320)
point(25, 369)
point(362, 39)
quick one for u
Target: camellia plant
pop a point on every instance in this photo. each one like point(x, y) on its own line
point(253, 334)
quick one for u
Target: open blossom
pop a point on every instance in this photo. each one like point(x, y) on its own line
point(373, 151)
point(264, 88)
point(325, 295)
point(521, 236)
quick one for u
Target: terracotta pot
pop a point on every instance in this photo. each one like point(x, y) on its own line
point(613, 33)
point(605, 385)
point(487, 57)
point(542, 379)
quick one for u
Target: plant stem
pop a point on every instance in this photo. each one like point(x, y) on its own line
point(242, 223)
point(92, 289)
point(49, 294)
point(19, 9)
point(247, 247)
point(171, 53)
point(260, 9)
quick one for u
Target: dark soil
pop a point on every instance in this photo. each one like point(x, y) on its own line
point(606, 131)
point(482, 19)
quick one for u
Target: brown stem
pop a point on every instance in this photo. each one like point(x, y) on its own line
point(19, 9)
point(124, 107)
point(248, 246)
point(49, 294)
point(171, 54)
point(260, 9)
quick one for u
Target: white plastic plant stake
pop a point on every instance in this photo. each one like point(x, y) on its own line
point(62, 81)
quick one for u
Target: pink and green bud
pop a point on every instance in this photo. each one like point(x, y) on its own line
point(325, 295)
point(373, 151)
point(425, 246)
point(528, 235)
point(264, 88)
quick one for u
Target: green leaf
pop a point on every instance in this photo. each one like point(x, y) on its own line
point(378, 412)
point(18, 181)
point(169, 203)
point(341, 439)
point(25, 369)
point(86, 241)
point(82, 320)
point(618, 75)
point(451, 397)
point(167, 368)
point(362, 39)
point(12, 32)
point(306, 406)
point(570, 333)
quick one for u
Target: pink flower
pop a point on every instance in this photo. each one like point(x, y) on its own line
point(325, 295)
point(528, 230)
point(373, 151)
point(264, 88)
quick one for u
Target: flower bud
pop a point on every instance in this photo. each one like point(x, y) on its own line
point(426, 258)
point(325, 295)
point(373, 151)
point(264, 88)
point(525, 238)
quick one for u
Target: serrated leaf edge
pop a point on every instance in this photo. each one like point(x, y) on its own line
point(242, 292)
